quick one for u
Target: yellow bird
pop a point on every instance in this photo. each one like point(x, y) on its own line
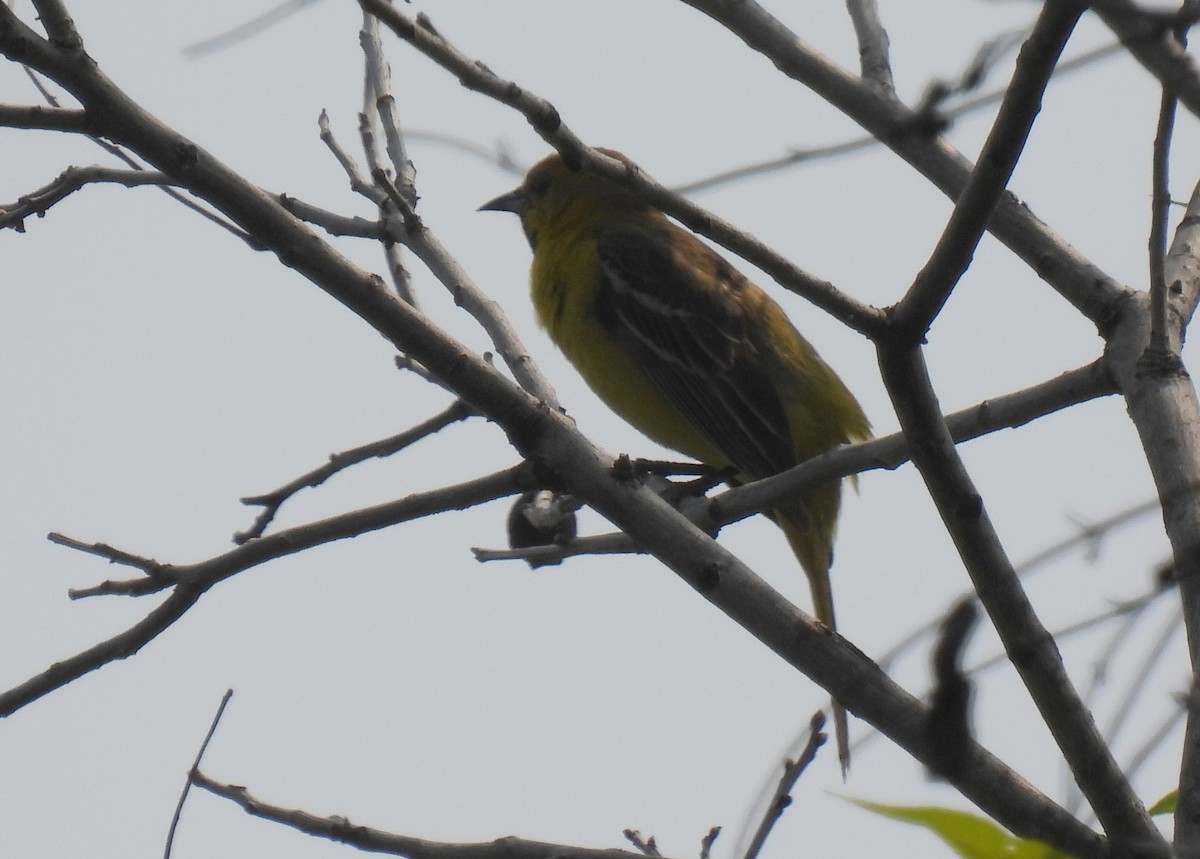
point(685, 348)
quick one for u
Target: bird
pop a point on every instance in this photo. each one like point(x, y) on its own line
point(541, 517)
point(685, 348)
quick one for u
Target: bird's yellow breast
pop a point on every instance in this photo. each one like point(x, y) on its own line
point(564, 287)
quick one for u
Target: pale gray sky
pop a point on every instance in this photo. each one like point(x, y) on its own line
point(154, 370)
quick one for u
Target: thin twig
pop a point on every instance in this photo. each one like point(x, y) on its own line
point(1009, 410)
point(426, 247)
point(1089, 535)
point(334, 224)
point(379, 109)
point(1156, 737)
point(645, 846)
point(149, 566)
point(64, 119)
point(1160, 355)
point(1127, 610)
point(359, 183)
point(193, 580)
point(1138, 678)
point(341, 830)
point(212, 729)
point(1077, 279)
point(974, 207)
point(37, 203)
point(792, 770)
point(546, 121)
point(498, 155)
point(872, 43)
point(246, 30)
point(37, 116)
point(273, 500)
point(796, 156)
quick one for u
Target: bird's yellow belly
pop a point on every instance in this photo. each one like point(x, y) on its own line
point(611, 371)
point(628, 391)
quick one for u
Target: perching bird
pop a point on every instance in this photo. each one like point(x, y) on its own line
point(541, 517)
point(685, 348)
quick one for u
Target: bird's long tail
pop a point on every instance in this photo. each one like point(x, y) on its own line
point(809, 527)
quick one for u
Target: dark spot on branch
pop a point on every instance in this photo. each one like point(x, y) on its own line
point(623, 470)
point(547, 122)
point(186, 156)
point(969, 508)
point(709, 578)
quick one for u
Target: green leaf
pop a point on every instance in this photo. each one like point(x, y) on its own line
point(969, 835)
point(1166, 805)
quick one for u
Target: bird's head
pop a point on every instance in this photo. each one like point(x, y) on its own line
point(554, 195)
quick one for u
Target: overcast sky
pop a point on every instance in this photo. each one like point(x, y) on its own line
point(155, 370)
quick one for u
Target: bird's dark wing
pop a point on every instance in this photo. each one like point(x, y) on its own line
point(681, 309)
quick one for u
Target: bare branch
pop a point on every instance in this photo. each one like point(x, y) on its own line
point(1158, 348)
point(1025, 639)
point(887, 452)
point(149, 566)
point(37, 203)
point(498, 155)
point(946, 115)
point(120, 646)
point(872, 43)
point(892, 451)
point(1159, 355)
point(1129, 611)
point(246, 30)
point(58, 24)
point(792, 770)
point(338, 225)
point(545, 119)
point(1139, 677)
point(1091, 534)
point(341, 830)
point(446, 269)
point(252, 553)
point(1164, 408)
point(616, 543)
point(1156, 737)
point(379, 89)
point(647, 847)
point(192, 580)
point(961, 508)
point(1079, 281)
point(380, 104)
point(974, 207)
point(1152, 42)
point(212, 729)
point(359, 183)
point(273, 500)
point(42, 117)
point(547, 437)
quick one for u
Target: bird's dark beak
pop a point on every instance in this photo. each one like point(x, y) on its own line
point(513, 201)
